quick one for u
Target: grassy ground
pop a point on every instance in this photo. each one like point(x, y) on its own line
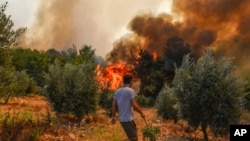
point(95, 127)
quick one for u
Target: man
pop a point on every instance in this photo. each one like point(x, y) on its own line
point(125, 100)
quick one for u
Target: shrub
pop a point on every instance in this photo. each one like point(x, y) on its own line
point(20, 127)
point(15, 83)
point(208, 93)
point(72, 89)
point(105, 99)
point(166, 104)
point(150, 132)
point(144, 101)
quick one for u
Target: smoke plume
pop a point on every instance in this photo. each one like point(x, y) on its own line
point(53, 27)
point(223, 25)
point(61, 23)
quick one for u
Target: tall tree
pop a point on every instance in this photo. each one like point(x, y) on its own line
point(208, 93)
point(8, 39)
point(151, 74)
point(86, 55)
point(8, 36)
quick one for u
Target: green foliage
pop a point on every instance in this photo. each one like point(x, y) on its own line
point(34, 62)
point(21, 126)
point(105, 99)
point(207, 92)
point(12, 82)
point(72, 89)
point(144, 101)
point(25, 84)
point(150, 73)
point(150, 132)
point(7, 83)
point(86, 55)
point(8, 36)
point(246, 98)
point(5, 58)
point(15, 83)
point(166, 104)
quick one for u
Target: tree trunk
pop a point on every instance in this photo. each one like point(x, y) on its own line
point(204, 127)
point(6, 99)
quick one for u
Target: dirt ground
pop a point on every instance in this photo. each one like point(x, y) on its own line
point(98, 127)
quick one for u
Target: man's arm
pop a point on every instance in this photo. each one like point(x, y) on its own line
point(113, 111)
point(137, 108)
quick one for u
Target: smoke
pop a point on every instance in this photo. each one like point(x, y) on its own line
point(223, 25)
point(53, 25)
point(61, 23)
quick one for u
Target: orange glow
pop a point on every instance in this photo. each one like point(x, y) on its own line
point(111, 76)
point(154, 54)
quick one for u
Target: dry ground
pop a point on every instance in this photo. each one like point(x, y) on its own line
point(97, 127)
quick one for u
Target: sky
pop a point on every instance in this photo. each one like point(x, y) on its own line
point(61, 23)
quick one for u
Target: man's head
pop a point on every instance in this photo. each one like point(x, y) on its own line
point(127, 79)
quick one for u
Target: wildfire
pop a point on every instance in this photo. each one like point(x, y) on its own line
point(154, 54)
point(111, 76)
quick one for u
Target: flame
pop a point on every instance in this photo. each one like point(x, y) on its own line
point(154, 55)
point(111, 76)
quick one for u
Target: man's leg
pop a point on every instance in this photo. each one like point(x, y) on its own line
point(130, 130)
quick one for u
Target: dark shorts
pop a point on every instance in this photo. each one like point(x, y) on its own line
point(130, 130)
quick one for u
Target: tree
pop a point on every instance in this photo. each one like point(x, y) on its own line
point(86, 55)
point(8, 36)
point(166, 104)
point(151, 74)
point(105, 98)
point(246, 91)
point(208, 93)
point(72, 88)
point(8, 39)
point(15, 83)
point(34, 62)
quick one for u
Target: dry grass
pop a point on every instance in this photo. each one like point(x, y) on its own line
point(97, 127)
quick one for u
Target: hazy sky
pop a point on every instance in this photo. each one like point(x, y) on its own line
point(97, 22)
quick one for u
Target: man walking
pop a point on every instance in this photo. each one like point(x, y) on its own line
point(125, 100)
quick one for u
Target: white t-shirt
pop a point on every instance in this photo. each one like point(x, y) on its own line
point(123, 96)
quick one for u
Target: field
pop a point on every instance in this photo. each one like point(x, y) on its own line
point(43, 125)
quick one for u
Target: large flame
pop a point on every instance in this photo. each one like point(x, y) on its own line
point(111, 76)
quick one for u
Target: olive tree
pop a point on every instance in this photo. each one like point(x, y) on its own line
point(208, 93)
point(11, 81)
point(72, 88)
point(166, 104)
point(8, 36)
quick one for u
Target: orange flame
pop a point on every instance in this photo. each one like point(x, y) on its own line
point(154, 54)
point(111, 76)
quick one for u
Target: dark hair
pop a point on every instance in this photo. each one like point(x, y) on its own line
point(127, 79)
